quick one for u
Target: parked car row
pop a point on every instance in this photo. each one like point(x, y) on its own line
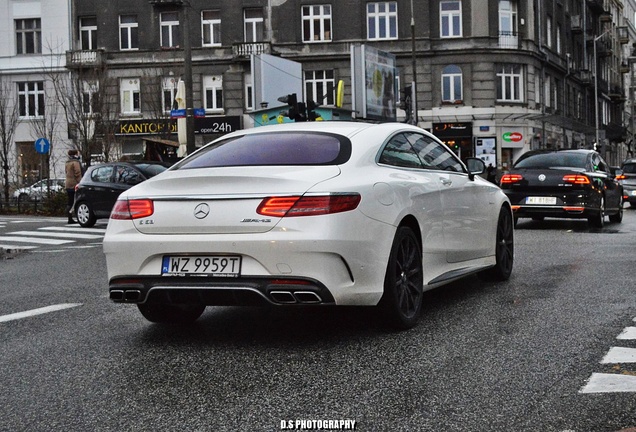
point(628, 180)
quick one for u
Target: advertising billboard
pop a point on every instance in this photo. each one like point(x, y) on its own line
point(373, 83)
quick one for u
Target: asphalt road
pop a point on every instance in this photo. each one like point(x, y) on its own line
point(510, 356)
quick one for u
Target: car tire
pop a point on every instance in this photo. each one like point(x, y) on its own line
point(504, 249)
point(597, 220)
point(84, 215)
point(401, 302)
point(618, 216)
point(170, 313)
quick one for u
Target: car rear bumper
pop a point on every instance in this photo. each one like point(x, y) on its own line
point(345, 266)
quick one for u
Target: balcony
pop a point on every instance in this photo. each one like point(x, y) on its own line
point(585, 76)
point(246, 49)
point(84, 59)
point(596, 6)
point(622, 34)
point(508, 39)
point(605, 17)
point(576, 23)
point(624, 68)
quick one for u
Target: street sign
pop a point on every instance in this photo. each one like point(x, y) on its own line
point(199, 112)
point(42, 145)
point(178, 113)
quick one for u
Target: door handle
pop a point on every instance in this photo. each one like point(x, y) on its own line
point(446, 181)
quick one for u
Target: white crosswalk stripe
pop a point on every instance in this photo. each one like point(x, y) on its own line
point(620, 382)
point(67, 236)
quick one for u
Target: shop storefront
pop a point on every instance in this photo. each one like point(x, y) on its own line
point(457, 136)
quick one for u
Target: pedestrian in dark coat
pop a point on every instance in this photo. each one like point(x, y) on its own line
point(73, 176)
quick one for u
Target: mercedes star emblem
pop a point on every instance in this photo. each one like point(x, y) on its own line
point(201, 211)
point(542, 177)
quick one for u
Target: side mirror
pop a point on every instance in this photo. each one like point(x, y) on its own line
point(475, 167)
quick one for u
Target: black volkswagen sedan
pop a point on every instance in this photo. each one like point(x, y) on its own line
point(96, 193)
point(564, 184)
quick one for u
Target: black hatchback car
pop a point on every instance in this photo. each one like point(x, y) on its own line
point(564, 184)
point(96, 193)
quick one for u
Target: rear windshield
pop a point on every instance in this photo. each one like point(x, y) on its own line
point(151, 170)
point(266, 149)
point(629, 168)
point(553, 160)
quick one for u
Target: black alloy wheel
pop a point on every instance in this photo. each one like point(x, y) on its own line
point(504, 249)
point(597, 220)
point(618, 216)
point(403, 283)
point(170, 313)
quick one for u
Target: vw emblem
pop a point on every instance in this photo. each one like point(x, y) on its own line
point(542, 177)
point(201, 211)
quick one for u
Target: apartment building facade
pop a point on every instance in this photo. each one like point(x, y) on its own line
point(36, 37)
point(497, 78)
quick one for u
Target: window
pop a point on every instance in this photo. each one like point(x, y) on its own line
point(509, 83)
point(433, 154)
point(88, 33)
point(413, 150)
point(548, 31)
point(102, 174)
point(316, 23)
point(249, 93)
point(128, 32)
point(211, 27)
point(170, 29)
point(558, 38)
point(90, 97)
point(28, 36)
point(450, 19)
point(127, 175)
point(382, 20)
point(320, 86)
point(451, 84)
point(130, 96)
point(31, 99)
point(508, 24)
point(213, 93)
point(254, 30)
point(169, 89)
point(507, 18)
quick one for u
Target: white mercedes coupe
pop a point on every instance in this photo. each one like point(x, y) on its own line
point(314, 213)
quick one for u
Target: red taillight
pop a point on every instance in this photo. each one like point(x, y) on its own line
point(510, 178)
point(576, 179)
point(132, 209)
point(307, 205)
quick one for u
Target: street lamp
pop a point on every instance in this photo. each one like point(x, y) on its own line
point(413, 60)
point(596, 91)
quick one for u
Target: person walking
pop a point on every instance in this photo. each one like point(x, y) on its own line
point(73, 176)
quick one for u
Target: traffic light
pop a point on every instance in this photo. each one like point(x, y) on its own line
point(311, 113)
point(405, 102)
point(297, 110)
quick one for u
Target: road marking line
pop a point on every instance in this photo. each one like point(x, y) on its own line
point(35, 240)
point(628, 333)
point(609, 383)
point(58, 235)
point(39, 311)
point(620, 355)
point(74, 229)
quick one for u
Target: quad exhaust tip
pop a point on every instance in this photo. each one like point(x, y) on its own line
point(293, 297)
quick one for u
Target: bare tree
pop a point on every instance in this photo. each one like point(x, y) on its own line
point(9, 117)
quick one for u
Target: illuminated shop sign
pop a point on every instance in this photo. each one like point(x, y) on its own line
point(202, 126)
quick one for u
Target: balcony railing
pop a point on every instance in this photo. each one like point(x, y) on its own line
point(84, 58)
point(246, 49)
point(576, 23)
point(508, 39)
point(622, 34)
